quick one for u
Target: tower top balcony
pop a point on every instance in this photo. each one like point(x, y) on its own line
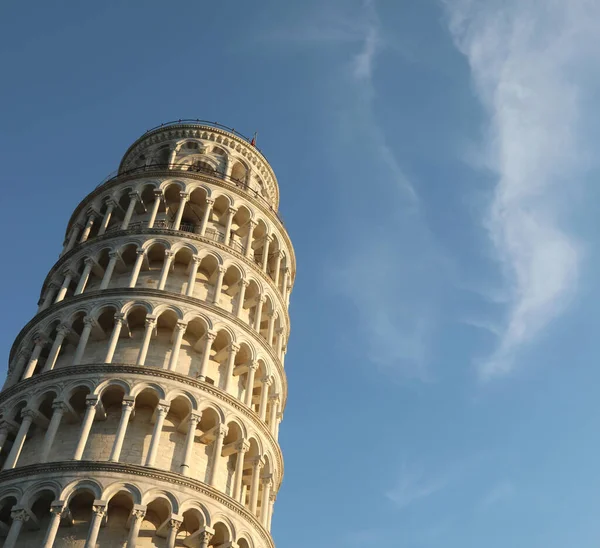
point(206, 147)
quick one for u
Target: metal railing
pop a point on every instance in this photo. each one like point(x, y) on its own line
point(210, 233)
point(192, 169)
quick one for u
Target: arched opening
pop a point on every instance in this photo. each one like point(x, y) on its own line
point(139, 433)
point(243, 359)
point(108, 416)
point(240, 228)
point(192, 526)
point(77, 522)
point(230, 288)
point(161, 345)
point(172, 202)
point(251, 302)
point(219, 217)
point(40, 508)
point(230, 457)
point(178, 277)
point(259, 239)
point(209, 423)
point(118, 511)
point(206, 278)
point(149, 276)
point(6, 507)
point(174, 433)
point(131, 335)
point(239, 172)
point(154, 527)
point(219, 350)
point(192, 345)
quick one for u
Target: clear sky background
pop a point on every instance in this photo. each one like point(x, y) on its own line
point(438, 169)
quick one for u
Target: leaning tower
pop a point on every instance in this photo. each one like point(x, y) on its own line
point(143, 400)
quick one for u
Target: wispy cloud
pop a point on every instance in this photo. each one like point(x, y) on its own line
point(529, 62)
point(498, 493)
point(413, 486)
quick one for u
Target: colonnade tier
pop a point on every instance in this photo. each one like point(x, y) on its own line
point(154, 329)
point(71, 503)
point(143, 400)
point(171, 263)
point(187, 201)
point(133, 415)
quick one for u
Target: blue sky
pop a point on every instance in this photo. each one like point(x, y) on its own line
point(438, 178)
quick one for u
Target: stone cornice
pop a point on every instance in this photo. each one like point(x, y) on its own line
point(130, 293)
point(128, 470)
point(124, 369)
point(197, 176)
point(178, 234)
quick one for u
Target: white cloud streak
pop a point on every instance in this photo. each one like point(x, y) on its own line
point(413, 487)
point(528, 61)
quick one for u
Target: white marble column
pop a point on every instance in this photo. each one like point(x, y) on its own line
point(264, 397)
point(114, 337)
point(141, 254)
point(133, 198)
point(85, 275)
point(189, 442)
point(250, 384)
point(5, 428)
point(250, 238)
point(192, 276)
point(51, 291)
point(61, 333)
point(184, 197)
point(239, 307)
point(174, 525)
point(88, 227)
point(277, 267)
point(233, 350)
point(137, 517)
point(274, 398)
point(72, 237)
point(161, 413)
point(99, 509)
point(88, 324)
point(257, 464)
point(158, 198)
point(180, 328)
point(265, 257)
point(110, 206)
point(206, 216)
point(271, 327)
point(59, 408)
point(165, 269)
point(267, 482)
point(279, 348)
point(127, 407)
point(231, 211)
point(219, 284)
point(11, 461)
point(57, 509)
point(242, 448)
point(205, 536)
point(91, 403)
point(19, 517)
point(216, 454)
point(34, 358)
point(110, 267)
point(150, 326)
point(209, 338)
point(68, 276)
point(258, 315)
point(271, 505)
